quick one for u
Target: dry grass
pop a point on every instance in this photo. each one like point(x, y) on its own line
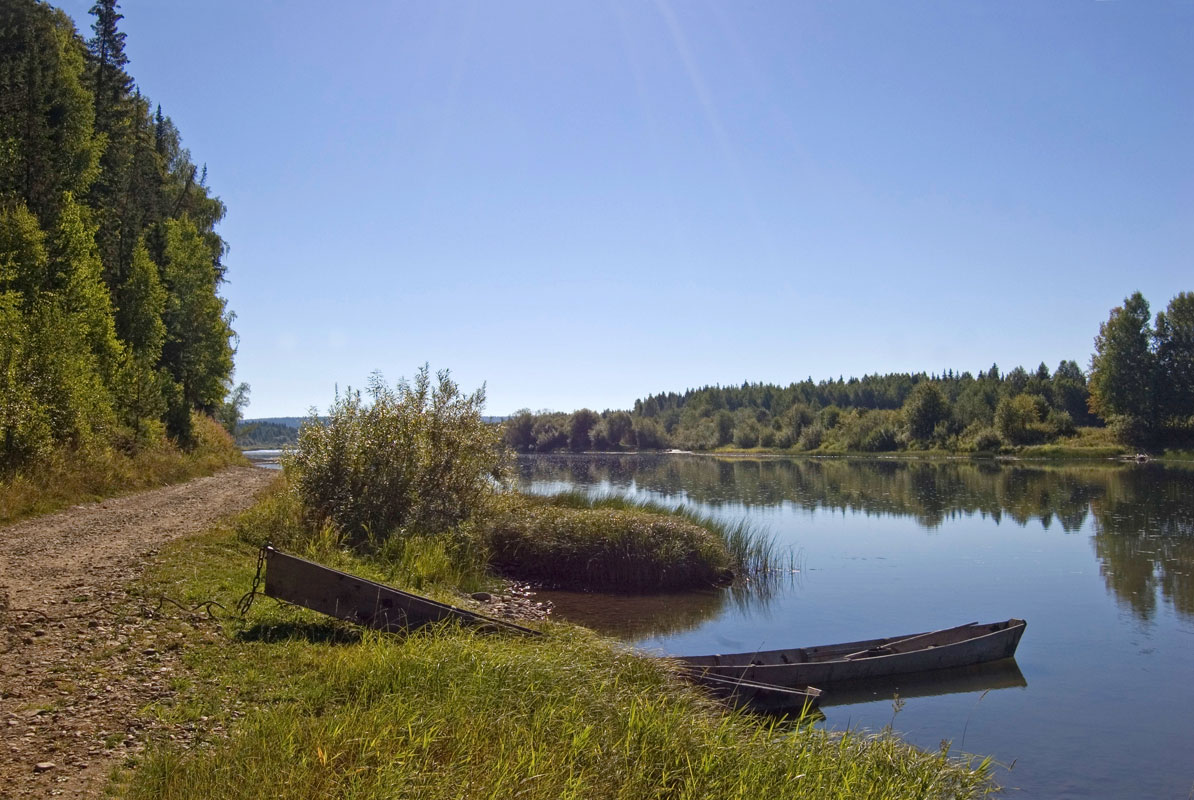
point(70, 478)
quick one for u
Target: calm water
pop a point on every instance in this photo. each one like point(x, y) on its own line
point(1099, 559)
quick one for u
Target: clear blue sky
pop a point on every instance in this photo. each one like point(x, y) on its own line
point(581, 203)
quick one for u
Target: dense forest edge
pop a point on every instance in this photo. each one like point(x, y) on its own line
point(1138, 395)
point(114, 340)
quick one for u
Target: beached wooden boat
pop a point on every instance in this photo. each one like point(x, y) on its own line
point(826, 665)
point(375, 605)
point(758, 697)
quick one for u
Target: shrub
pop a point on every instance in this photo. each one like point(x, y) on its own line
point(986, 440)
point(647, 434)
point(746, 434)
point(418, 457)
point(925, 408)
point(811, 437)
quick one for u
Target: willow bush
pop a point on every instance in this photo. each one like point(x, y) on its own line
point(416, 457)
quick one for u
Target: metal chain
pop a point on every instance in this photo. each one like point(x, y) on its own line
point(246, 602)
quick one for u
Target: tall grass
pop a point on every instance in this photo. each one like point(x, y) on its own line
point(436, 564)
point(753, 552)
point(71, 477)
point(602, 547)
point(450, 714)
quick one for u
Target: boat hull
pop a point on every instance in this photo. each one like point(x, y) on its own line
point(758, 697)
point(869, 659)
point(364, 602)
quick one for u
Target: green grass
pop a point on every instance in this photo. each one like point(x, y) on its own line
point(566, 541)
point(298, 706)
point(70, 478)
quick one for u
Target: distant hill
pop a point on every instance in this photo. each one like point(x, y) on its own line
point(269, 433)
point(290, 422)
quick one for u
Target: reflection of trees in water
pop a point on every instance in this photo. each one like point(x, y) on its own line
point(1143, 515)
point(1144, 539)
point(929, 491)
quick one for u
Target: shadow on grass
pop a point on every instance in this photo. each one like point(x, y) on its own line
point(314, 632)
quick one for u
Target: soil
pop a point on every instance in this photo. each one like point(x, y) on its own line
point(78, 660)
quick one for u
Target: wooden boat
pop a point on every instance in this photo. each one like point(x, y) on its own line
point(826, 665)
point(375, 605)
point(755, 696)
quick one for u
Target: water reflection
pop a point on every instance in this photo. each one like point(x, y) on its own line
point(1003, 674)
point(1142, 516)
point(1144, 539)
point(636, 616)
point(633, 617)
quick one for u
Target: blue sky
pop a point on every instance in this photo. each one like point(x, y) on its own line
point(581, 203)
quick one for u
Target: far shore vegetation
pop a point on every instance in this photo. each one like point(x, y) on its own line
point(1138, 395)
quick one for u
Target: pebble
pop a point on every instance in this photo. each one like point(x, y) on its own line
point(43, 766)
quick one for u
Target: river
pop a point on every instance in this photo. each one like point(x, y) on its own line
point(1097, 557)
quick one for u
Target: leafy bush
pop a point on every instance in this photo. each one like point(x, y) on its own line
point(1018, 419)
point(418, 457)
point(986, 440)
point(811, 437)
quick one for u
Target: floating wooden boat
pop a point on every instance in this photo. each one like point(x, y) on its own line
point(375, 605)
point(755, 696)
point(826, 665)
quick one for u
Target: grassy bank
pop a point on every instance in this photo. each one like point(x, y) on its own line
point(287, 704)
point(75, 477)
point(1084, 443)
point(570, 541)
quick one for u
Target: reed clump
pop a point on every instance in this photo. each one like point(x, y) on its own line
point(559, 543)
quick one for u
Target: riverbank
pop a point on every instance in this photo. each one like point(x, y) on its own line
point(310, 707)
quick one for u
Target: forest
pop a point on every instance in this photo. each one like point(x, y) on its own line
point(112, 329)
point(1139, 390)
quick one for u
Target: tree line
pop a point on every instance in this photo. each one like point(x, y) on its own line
point(1140, 383)
point(112, 330)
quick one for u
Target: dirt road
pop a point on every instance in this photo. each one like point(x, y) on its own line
point(75, 666)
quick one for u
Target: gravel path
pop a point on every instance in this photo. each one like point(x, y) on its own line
point(76, 663)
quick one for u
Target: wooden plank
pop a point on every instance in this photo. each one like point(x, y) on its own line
point(364, 602)
point(902, 645)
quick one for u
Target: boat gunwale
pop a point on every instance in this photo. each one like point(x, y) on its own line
point(836, 653)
